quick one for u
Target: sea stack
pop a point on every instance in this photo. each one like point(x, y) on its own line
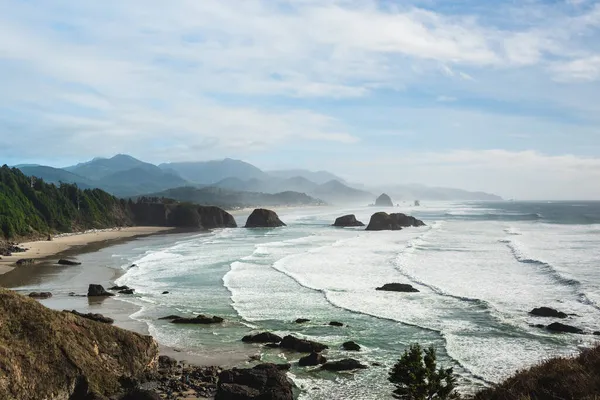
point(347, 220)
point(384, 201)
point(382, 221)
point(262, 218)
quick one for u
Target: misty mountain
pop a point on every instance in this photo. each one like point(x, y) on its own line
point(234, 199)
point(318, 177)
point(55, 175)
point(209, 172)
point(336, 192)
point(99, 168)
point(411, 192)
point(139, 180)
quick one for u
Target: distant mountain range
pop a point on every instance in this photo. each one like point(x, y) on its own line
point(238, 183)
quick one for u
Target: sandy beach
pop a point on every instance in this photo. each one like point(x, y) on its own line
point(45, 249)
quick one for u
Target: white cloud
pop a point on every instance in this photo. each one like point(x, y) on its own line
point(581, 70)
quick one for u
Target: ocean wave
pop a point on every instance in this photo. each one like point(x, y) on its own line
point(496, 217)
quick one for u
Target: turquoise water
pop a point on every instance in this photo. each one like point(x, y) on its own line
point(479, 267)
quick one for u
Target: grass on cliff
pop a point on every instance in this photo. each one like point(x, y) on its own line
point(561, 378)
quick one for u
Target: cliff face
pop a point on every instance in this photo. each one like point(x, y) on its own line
point(182, 215)
point(46, 354)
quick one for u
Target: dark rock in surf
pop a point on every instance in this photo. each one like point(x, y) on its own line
point(170, 317)
point(265, 381)
point(200, 319)
point(264, 337)
point(301, 345)
point(40, 295)
point(397, 287)
point(351, 346)
point(63, 261)
point(384, 201)
point(261, 218)
point(92, 316)
point(25, 261)
point(311, 360)
point(562, 328)
point(347, 221)
point(126, 291)
point(347, 364)
point(597, 333)
point(547, 312)
point(119, 288)
point(214, 217)
point(272, 345)
point(98, 291)
point(382, 221)
point(165, 292)
point(302, 320)
point(336, 323)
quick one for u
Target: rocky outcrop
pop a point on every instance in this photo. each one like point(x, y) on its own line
point(384, 201)
point(40, 295)
point(302, 320)
point(98, 291)
point(119, 288)
point(301, 345)
point(311, 360)
point(92, 316)
point(25, 261)
point(171, 317)
point(351, 346)
point(200, 319)
point(126, 291)
point(264, 337)
point(336, 323)
point(382, 221)
point(347, 364)
point(397, 287)
point(214, 217)
point(562, 328)
point(547, 312)
point(48, 354)
point(141, 394)
point(261, 218)
point(264, 382)
point(182, 215)
point(64, 261)
point(347, 221)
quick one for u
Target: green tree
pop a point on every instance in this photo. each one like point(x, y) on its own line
point(417, 377)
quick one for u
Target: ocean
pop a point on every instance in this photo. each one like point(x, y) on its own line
point(479, 267)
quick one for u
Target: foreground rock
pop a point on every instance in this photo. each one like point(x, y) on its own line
point(98, 291)
point(347, 221)
point(397, 287)
point(301, 345)
point(351, 346)
point(8, 248)
point(264, 382)
point(25, 261)
point(562, 328)
point(547, 312)
point(347, 364)
point(64, 261)
point(382, 221)
point(214, 217)
point(264, 337)
point(92, 316)
point(200, 319)
point(141, 394)
point(55, 354)
point(261, 218)
point(384, 201)
point(40, 295)
point(311, 360)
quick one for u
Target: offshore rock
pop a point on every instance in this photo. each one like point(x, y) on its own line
point(562, 328)
point(301, 345)
point(347, 364)
point(97, 291)
point(311, 360)
point(262, 218)
point(347, 220)
point(64, 261)
point(351, 346)
point(547, 312)
point(264, 337)
point(200, 319)
point(397, 287)
point(384, 201)
point(382, 221)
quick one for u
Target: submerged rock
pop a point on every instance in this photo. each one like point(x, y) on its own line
point(335, 323)
point(200, 319)
point(384, 201)
point(40, 295)
point(92, 316)
point(347, 220)
point(558, 327)
point(264, 337)
point(382, 221)
point(262, 218)
point(126, 291)
point(351, 346)
point(64, 261)
point(347, 364)
point(98, 291)
point(165, 292)
point(301, 345)
point(171, 317)
point(119, 288)
point(265, 381)
point(547, 312)
point(311, 360)
point(302, 320)
point(397, 287)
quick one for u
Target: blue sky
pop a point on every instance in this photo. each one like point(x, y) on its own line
point(501, 96)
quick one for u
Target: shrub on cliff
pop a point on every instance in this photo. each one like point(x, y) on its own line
point(417, 377)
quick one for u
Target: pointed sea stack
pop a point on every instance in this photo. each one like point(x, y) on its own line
point(262, 218)
point(384, 201)
point(382, 221)
point(347, 220)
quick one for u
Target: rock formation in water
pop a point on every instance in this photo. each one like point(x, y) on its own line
point(301, 345)
point(397, 287)
point(382, 221)
point(311, 360)
point(384, 201)
point(264, 337)
point(347, 221)
point(49, 354)
point(347, 364)
point(265, 381)
point(262, 218)
point(200, 319)
point(351, 346)
point(98, 291)
point(547, 312)
point(562, 328)
point(64, 261)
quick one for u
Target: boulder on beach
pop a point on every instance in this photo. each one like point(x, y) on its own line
point(397, 287)
point(25, 261)
point(347, 364)
point(265, 381)
point(547, 312)
point(382, 221)
point(302, 320)
point(262, 218)
point(40, 295)
point(351, 346)
point(311, 360)
point(92, 316)
point(263, 337)
point(141, 394)
point(64, 261)
point(347, 220)
point(301, 345)
point(200, 319)
point(562, 328)
point(335, 323)
point(98, 291)
point(384, 201)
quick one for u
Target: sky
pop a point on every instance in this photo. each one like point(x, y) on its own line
point(501, 96)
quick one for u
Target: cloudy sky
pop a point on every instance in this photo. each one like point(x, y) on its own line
point(502, 96)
